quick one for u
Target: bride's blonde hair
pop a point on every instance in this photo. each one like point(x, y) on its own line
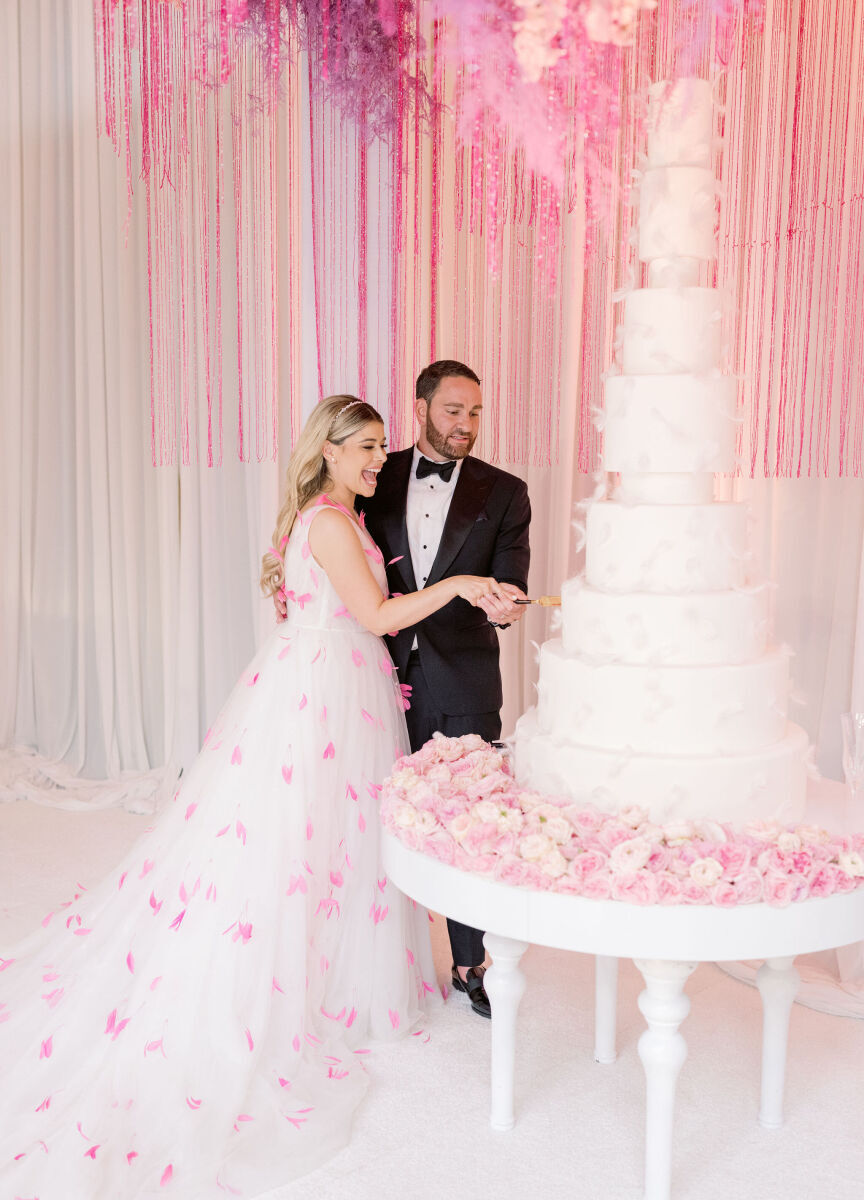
point(333, 420)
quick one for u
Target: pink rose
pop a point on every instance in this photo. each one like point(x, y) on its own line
point(659, 858)
point(749, 886)
point(462, 859)
point(734, 858)
point(612, 834)
point(480, 839)
point(473, 741)
point(639, 887)
point(693, 893)
point(587, 819)
point(592, 862)
point(823, 881)
point(486, 786)
point(569, 885)
point(777, 890)
point(668, 890)
point(510, 870)
point(725, 894)
point(440, 846)
point(410, 838)
point(596, 887)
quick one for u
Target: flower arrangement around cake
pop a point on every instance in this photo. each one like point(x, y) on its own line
point(456, 800)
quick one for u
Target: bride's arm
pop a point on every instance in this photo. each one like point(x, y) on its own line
point(336, 547)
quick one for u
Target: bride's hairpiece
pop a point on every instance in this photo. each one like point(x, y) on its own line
point(347, 406)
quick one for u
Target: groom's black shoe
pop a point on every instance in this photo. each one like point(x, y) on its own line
point(473, 985)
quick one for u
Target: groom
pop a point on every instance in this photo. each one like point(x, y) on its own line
point(437, 512)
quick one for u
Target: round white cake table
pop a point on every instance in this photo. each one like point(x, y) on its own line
point(665, 943)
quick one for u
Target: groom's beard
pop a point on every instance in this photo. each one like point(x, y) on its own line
point(443, 446)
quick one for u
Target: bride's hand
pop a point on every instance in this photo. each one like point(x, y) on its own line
point(475, 588)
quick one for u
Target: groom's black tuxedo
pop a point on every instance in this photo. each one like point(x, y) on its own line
point(486, 533)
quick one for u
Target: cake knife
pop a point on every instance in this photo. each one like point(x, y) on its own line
point(544, 601)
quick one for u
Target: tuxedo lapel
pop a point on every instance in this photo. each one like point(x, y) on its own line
point(391, 507)
point(472, 488)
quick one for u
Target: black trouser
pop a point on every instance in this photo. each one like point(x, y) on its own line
point(423, 720)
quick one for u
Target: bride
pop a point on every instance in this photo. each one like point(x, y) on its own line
point(196, 1026)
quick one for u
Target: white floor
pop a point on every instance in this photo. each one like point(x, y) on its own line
point(423, 1132)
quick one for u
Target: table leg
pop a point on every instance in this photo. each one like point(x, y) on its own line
point(504, 983)
point(663, 1052)
point(777, 981)
point(605, 1007)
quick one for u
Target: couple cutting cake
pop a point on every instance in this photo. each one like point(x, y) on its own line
point(195, 1025)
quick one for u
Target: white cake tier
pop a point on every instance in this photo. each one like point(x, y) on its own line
point(680, 124)
point(647, 487)
point(669, 423)
point(729, 709)
point(677, 213)
point(671, 331)
point(665, 548)
point(674, 272)
point(765, 785)
point(638, 627)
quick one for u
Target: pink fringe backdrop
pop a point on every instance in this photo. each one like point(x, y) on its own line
point(443, 191)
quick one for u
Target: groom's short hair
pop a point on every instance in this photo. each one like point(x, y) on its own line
point(430, 377)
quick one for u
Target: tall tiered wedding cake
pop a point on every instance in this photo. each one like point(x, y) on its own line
point(662, 691)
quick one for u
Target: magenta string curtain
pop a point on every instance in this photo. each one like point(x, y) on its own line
point(273, 211)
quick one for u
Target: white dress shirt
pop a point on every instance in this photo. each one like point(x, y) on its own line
point(427, 505)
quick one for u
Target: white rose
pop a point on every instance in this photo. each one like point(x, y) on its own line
point(677, 832)
point(510, 821)
point(813, 834)
point(712, 831)
point(631, 855)
point(558, 829)
point(486, 810)
point(534, 846)
point(788, 842)
point(706, 871)
point(553, 863)
point(404, 780)
point(851, 862)
point(426, 822)
point(405, 816)
point(633, 815)
point(547, 812)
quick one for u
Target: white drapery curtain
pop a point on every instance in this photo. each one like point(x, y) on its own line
point(128, 594)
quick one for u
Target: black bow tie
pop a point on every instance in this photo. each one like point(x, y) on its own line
point(426, 467)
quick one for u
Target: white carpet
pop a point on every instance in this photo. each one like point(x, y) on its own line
point(423, 1131)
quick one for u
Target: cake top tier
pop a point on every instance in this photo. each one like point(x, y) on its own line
point(680, 125)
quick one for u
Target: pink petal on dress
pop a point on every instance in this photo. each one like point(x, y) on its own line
point(223, 830)
point(236, 757)
point(45, 1105)
point(191, 808)
point(122, 880)
point(359, 660)
point(361, 823)
point(409, 955)
point(155, 983)
point(306, 549)
point(277, 987)
point(394, 1017)
point(153, 904)
point(249, 1040)
point(91, 1153)
point(303, 702)
point(382, 883)
point(309, 831)
point(336, 878)
point(296, 1042)
point(130, 963)
point(254, 679)
point(329, 750)
point(349, 791)
point(240, 829)
point(324, 713)
point(342, 612)
point(166, 1176)
point(287, 772)
point(296, 883)
point(46, 920)
point(147, 868)
point(178, 920)
point(285, 1083)
point(46, 1047)
point(132, 1154)
point(351, 1018)
point(192, 1102)
point(367, 716)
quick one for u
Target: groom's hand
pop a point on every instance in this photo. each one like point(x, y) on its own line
point(500, 609)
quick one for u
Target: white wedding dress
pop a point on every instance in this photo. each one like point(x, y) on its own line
point(196, 1025)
